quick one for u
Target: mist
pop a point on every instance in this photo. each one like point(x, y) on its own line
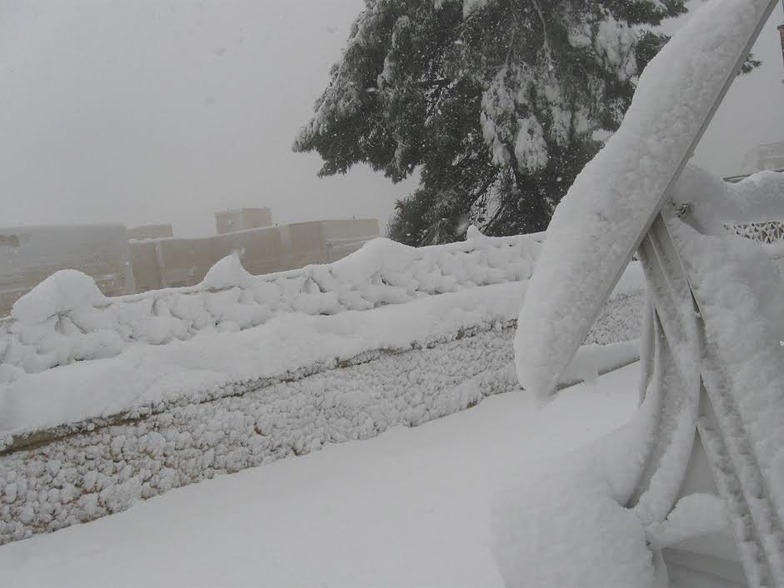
point(158, 111)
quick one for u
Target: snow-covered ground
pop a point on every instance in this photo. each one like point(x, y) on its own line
point(409, 508)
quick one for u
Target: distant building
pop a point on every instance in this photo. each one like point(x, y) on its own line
point(167, 263)
point(150, 232)
point(149, 257)
point(764, 157)
point(230, 221)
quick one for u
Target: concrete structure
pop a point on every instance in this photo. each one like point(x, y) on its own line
point(167, 263)
point(28, 255)
point(230, 221)
point(150, 232)
point(325, 241)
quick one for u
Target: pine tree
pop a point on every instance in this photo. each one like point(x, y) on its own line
point(499, 103)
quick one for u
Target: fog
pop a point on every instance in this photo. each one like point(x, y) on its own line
point(166, 111)
point(753, 112)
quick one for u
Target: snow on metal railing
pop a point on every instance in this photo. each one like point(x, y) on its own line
point(768, 232)
point(750, 207)
point(67, 319)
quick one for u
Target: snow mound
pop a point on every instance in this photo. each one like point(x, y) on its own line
point(565, 523)
point(227, 273)
point(608, 208)
point(375, 254)
point(63, 292)
point(66, 318)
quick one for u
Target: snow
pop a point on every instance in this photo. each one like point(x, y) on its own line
point(409, 508)
point(63, 292)
point(67, 320)
point(531, 147)
point(738, 289)
point(695, 514)
point(470, 6)
point(154, 418)
point(144, 375)
point(287, 323)
point(607, 210)
point(227, 273)
point(714, 203)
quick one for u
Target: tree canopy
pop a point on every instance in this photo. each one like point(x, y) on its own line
point(498, 103)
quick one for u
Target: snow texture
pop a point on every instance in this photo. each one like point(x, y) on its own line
point(144, 376)
point(695, 514)
point(408, 508)
point(61, 293)
point(65, 319)
point(739, 292)
point(85, 471)
point(714, 203)
point(154, 417)
point(566, 522)
point(603, 217)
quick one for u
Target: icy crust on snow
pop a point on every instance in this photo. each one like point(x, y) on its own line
point(66, 319)
point(602, 218)
point(105, 468)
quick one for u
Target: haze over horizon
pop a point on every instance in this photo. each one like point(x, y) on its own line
point(159, 111)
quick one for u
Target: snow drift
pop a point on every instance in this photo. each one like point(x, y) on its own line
point(65, 319)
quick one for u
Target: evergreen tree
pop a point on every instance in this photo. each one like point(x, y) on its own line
point(499, 103)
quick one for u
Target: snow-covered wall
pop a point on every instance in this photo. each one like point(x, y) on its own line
point(66, 319)
point(75, 474)
point(262, 368)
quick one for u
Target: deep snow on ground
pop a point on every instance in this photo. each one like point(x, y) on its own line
point(408, 508)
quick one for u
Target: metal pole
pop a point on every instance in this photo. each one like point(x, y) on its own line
point(781, 34)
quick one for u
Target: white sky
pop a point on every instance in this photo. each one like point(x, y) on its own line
point(168, 110)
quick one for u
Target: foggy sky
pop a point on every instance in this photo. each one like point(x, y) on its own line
point(166, 111)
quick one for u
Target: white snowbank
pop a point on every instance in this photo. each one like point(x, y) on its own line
point(66, 319)
point(144, 375)
point(199, 368)
point(225, 402)
point(61, 293)
point(604, 216)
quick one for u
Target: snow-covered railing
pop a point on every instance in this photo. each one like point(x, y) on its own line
point(690, 491)
point(67, 319)
point(751, 208)
point(768, 232)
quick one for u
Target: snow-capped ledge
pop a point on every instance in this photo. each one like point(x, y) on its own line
point(411, 363)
